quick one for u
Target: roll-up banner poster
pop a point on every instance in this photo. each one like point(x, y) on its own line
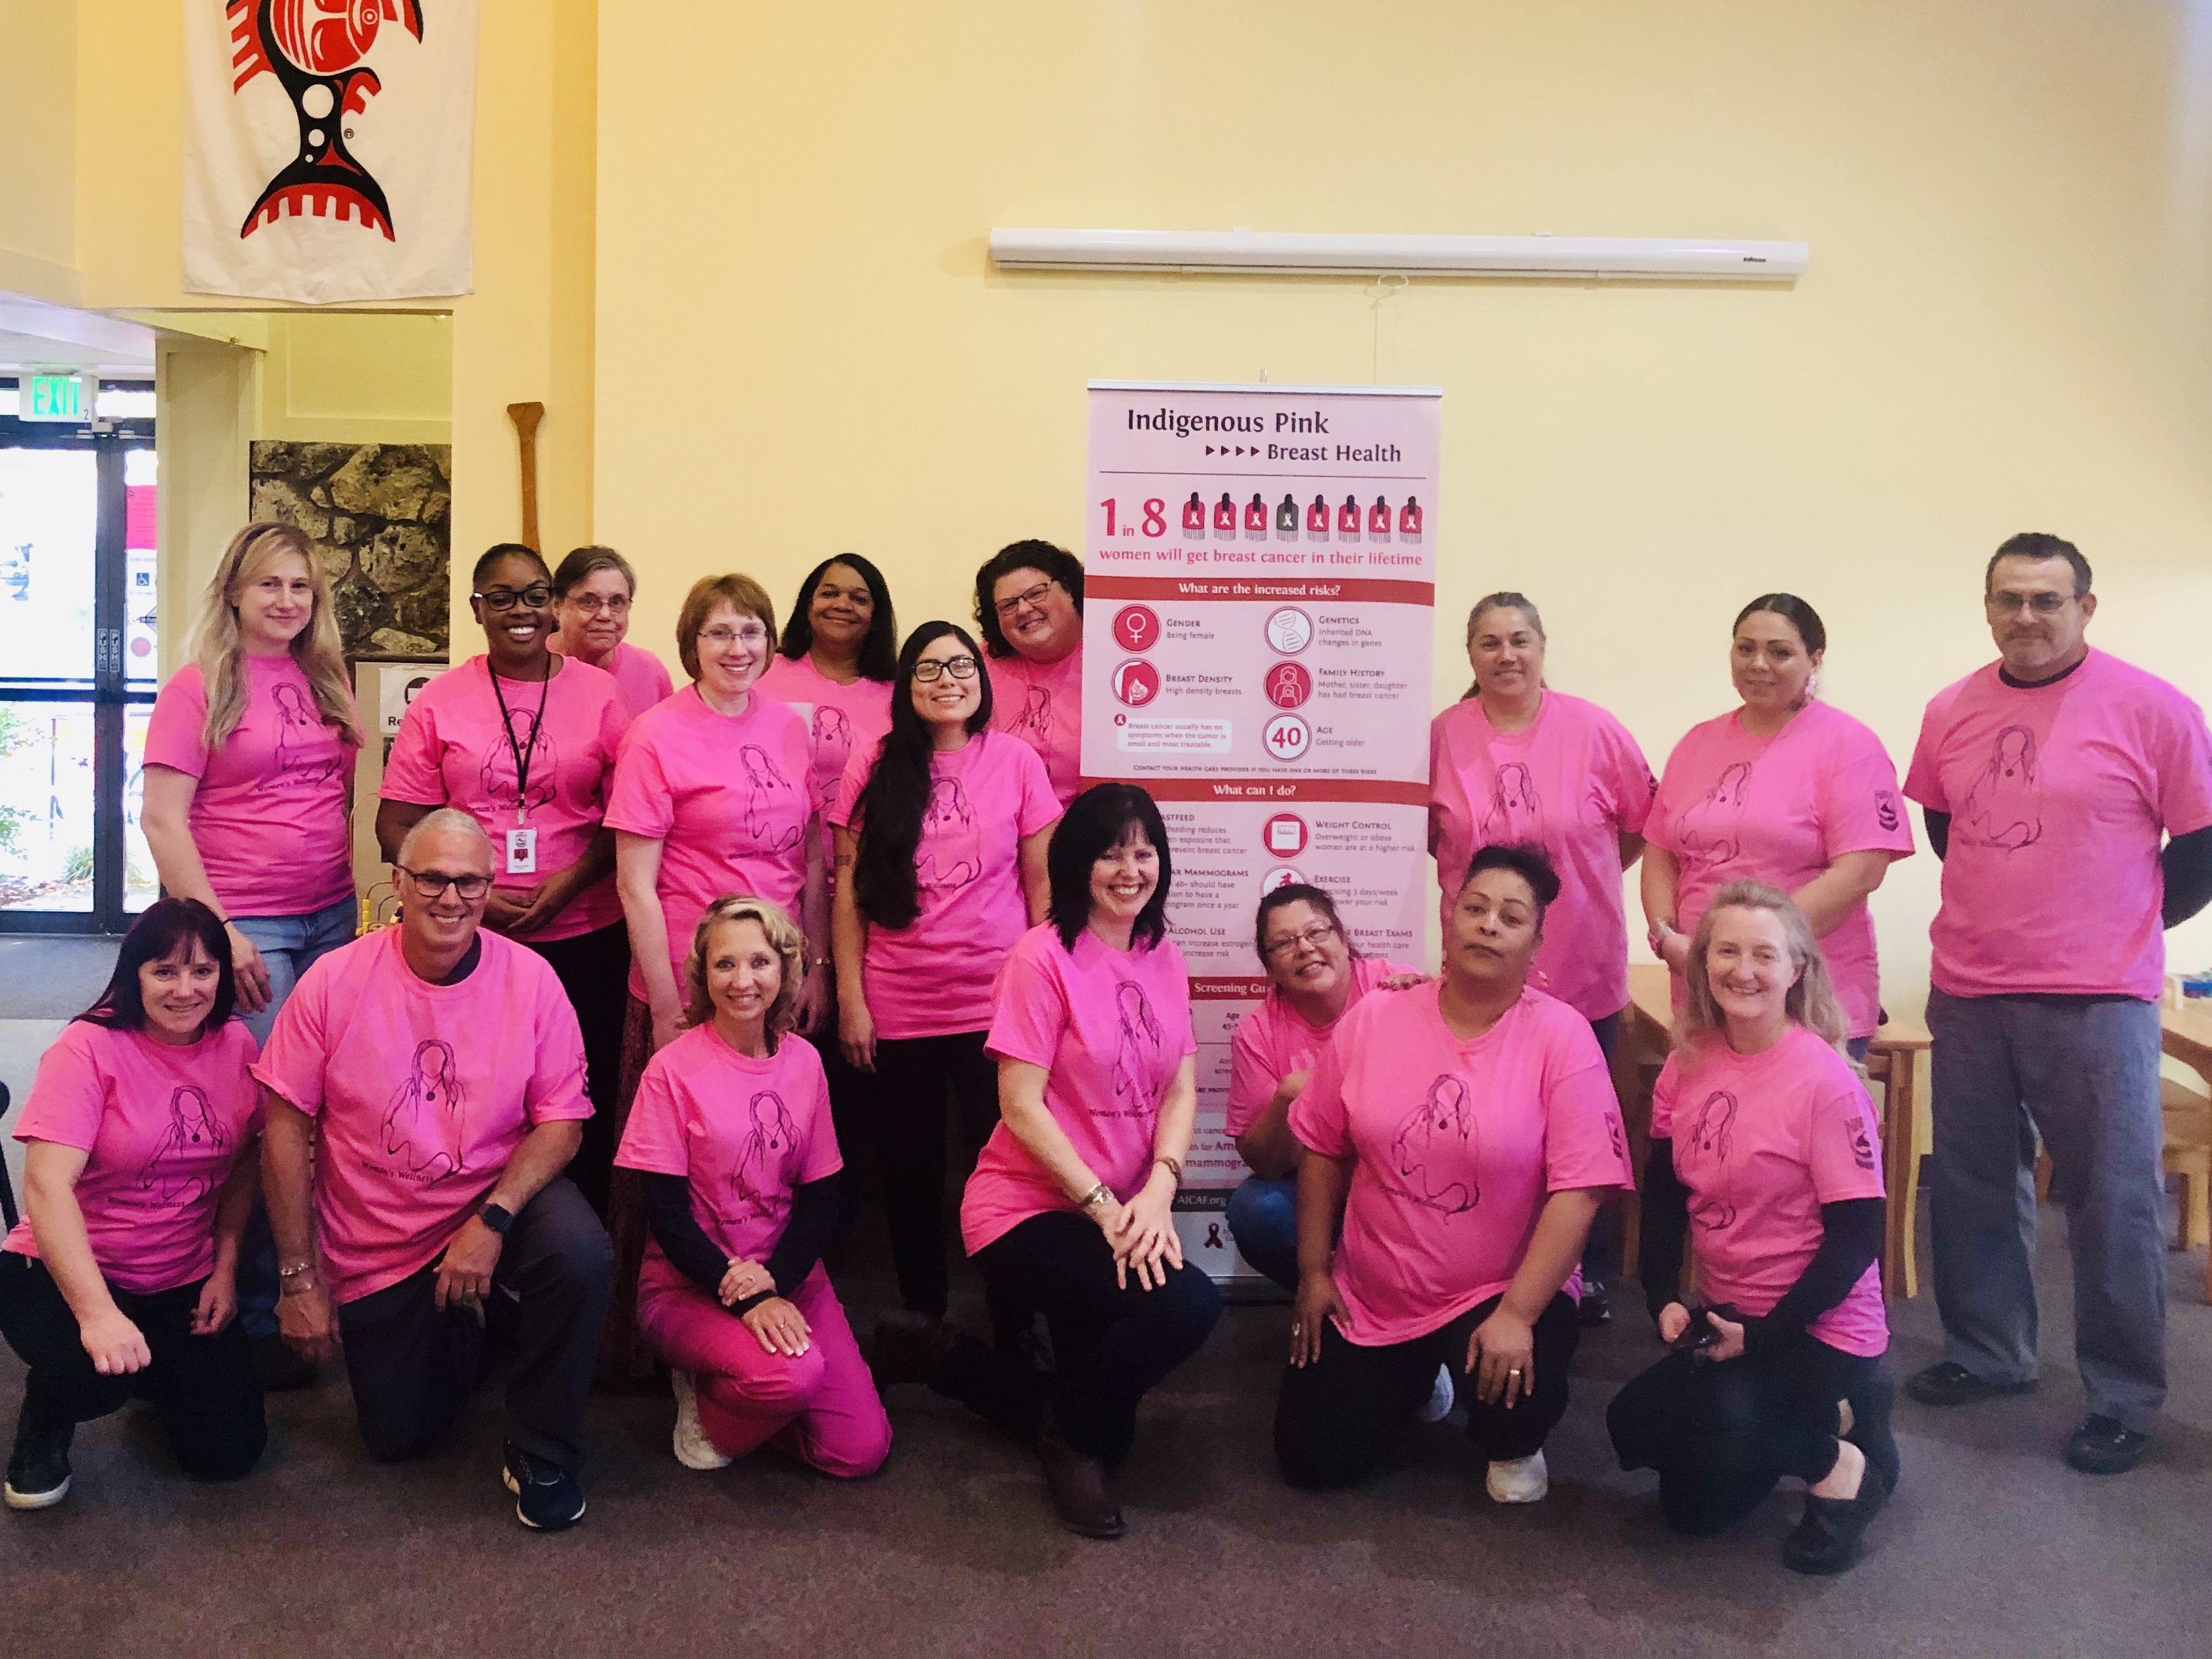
point(1259, 576)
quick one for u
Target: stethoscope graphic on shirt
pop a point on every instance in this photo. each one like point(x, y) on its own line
point(1136, 1047)
point(759, 1184)
point(524, 753)
point(2004, 809)
point(192, 1134)
point(1439, 1134)
point(766, 789)
point(422, 1127)
point(1713, 1136)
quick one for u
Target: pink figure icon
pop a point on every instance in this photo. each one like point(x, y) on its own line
point(193, 1136)
point(760, 1181)
point(2005, 808)
point(950, 853)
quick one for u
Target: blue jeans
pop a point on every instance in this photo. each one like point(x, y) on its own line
point(2081, 1073)
point(290, 945)
point(1263, 1219)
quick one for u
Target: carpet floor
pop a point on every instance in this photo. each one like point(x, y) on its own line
point(1992, 1546)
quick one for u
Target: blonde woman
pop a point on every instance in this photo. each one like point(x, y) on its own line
point(732, 1134)
point(1764, 1143)
point(249, 768)
point(249, 796)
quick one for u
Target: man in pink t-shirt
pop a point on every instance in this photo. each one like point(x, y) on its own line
point(445, 1070)
point(2049, 779)
point(1028, 601)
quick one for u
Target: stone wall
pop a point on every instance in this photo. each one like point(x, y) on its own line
point(380, 518)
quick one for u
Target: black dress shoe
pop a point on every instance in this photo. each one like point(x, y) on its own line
point(908, 1347)
point(1080, 1497)
point(2102, 1446)
point(1948, 1384)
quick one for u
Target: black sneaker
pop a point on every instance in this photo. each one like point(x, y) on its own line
point(2101, 1446)
point(547, 1497)
point(38, 1467)
point(280, 1367)
point(1948, 1384)
point(1596, 1307)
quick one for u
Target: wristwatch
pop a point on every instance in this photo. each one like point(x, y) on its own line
point(496, 1217)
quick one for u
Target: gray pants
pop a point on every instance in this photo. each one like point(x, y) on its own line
point(2082, 1072)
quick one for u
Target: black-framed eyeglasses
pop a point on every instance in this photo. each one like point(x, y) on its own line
point(1317, 935)
point(931, 669)
point(1032, 595)
point(505, 598)
point(435, 882)
point(2044, 604)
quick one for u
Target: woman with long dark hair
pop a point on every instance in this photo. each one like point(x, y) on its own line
point(1070, 1208)
point(941, 850)
point(138, 1175)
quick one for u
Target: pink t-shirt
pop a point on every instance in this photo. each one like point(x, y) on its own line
point(1457, 1147)
point(1762, 1141)
point(423, 1091)
point(2057, 795)
point(842, 721)
point(454, 750)
point(725, 796)
point(1573, 782)
point(1110, 1029)
point(1781, 809)
point(934, 976)
point(1041, 703)
point(745, 1133)
point(269, 817)
point(163, 1128)
point(643, 676)
point(1273, 1041)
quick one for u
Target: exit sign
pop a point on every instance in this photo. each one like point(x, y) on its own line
point(50, 397)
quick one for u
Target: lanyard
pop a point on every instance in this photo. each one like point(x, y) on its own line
point(521, 752)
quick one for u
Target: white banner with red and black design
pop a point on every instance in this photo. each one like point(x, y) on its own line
point(327, 146)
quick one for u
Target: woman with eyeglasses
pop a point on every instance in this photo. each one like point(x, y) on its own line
point(1028, 602)
point(248, 797)
point(1787, 790)
point(593, 590)
point(1514, 761)
point(709, 798)
point(941, 839)
point(524, 741)
point(138, 1175)
point(1070, 1208)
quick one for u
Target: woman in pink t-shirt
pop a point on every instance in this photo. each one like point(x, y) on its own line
point(138, 1175)
point(249, 768)
point(1459, 1139)
point(593, 589)
point(731, 1135)
point(1029, 603)
point(941, 842)
point(1785, 790)
point(524, 741)
point(1765, 1148)
point(709, 799)
point(1070, 1210)
point(1514, 761)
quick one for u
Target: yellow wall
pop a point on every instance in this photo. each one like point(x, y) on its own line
point(38, 139)
point(386, 379)
point(802, 347)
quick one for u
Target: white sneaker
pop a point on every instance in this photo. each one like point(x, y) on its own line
point(1442, 1398)
point(1521, 1481)
point(694, 1450)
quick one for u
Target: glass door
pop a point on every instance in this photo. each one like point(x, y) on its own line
point(76, 674)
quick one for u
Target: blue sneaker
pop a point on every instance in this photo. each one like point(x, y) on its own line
point(547, 1497)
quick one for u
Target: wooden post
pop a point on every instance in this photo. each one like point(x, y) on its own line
point(525, 417)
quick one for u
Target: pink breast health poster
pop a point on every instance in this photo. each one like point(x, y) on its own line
point(1259, 584)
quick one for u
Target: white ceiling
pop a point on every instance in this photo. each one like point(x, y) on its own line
point(36, 334)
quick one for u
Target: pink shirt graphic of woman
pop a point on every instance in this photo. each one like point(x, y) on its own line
point(1516, 814)
point(764, 783)
point(299, 727)
point(1134, 1053)
point(1438, 1136)
point(2005, 808)
point(536, 746)
point(1035, 726)
point(192, 1134)
point(757, 1184)
point(1712, 1136)
point(422, 1129)
point(951, 850)
point(1711, 831)
point(833, 749)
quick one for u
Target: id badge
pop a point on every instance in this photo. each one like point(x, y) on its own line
point(522, 852)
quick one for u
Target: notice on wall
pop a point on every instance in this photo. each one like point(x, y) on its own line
point(1258, 579)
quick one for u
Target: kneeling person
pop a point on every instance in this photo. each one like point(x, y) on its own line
point(444, 1067)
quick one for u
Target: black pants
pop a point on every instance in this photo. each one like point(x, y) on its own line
point(1722, 1435)
point(413, 1367)
point(1335, 1418)
point(1112, 1344)
point(852, 1103)
point(202, 1388)
point(593, 968)
point(915, 1077)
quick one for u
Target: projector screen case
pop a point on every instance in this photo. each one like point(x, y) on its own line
point(1296, 253)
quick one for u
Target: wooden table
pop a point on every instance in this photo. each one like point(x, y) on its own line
point(1893, 1060)
point(2186, 1035)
